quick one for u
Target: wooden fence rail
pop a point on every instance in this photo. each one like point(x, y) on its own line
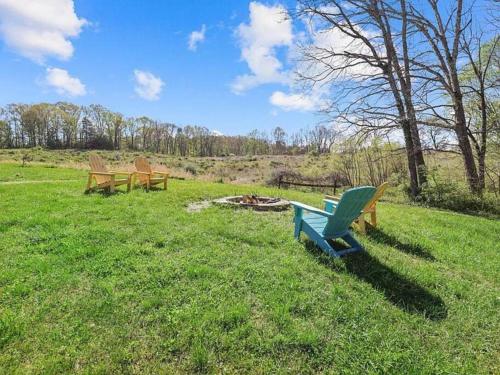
point(334, 186)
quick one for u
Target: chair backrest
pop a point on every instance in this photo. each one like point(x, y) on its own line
point(97, 165)
point(142, 165)
point(350, 205)
point(378, 194)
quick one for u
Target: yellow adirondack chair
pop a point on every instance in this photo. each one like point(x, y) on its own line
point(147, 176)
point(105, 179)
point(370, 207)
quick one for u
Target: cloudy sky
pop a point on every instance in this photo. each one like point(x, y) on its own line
point(223, 64)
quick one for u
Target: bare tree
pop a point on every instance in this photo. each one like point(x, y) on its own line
point(480, 81)
point(441, 28)
point(321, 138)
point(371, 68)
point(279, 136)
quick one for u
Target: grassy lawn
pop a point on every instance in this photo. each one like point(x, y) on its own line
point(133, 283)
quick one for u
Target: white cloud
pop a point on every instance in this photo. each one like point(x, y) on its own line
point(37, 29)
point(326, 43)
point(293, 102)
point(321, 41)
point(63, 83)
point(196, 37)
point(268, 29)
point(148, 86)
point(217, 133)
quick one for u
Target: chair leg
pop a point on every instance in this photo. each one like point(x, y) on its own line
point(361, 223)
point(355, 245)
point(327, 248)
point(298, 222)
point(148, 184)
point(165, 183)
point(374, 219)
point(89, 183)
point(129, 182)
point(298, 228)
point(112, 185)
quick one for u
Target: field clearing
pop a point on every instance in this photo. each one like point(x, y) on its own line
point(255, 169)
point(230, 169)
point(133, 283)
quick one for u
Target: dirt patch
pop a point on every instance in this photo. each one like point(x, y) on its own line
point(197, 206)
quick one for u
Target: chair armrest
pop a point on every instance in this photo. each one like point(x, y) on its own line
point(102, 173)
point(330, 205)
point(332, 197)
point(139, 172)
point(311, 209)
point(122, 172)
point(335, 203)
point(162, 173)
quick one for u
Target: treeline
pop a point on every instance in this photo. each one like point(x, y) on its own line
point(65, 125)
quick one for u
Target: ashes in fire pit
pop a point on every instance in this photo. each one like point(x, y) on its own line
point(255, 202)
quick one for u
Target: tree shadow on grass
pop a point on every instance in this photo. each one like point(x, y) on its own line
point(400, 291)
point(408, 248)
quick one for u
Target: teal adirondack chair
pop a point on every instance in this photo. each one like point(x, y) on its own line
point(321, 226)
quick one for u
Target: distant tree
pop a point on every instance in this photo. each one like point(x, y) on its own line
point(71, 114)
point(88, 133)
point(5, 135)
point(279, 136)
point(322, 138)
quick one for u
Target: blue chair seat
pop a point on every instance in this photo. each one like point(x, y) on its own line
point(316, 221)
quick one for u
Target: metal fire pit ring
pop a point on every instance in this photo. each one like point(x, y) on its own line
point(264, 203)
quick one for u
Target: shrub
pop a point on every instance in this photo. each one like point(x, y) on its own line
point(26, 157)
point(190, 168)
point(452, 196)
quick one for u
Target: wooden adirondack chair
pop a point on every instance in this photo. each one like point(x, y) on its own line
point(322, 226)
point(105, 179)
point(370, 208)
point(147, 176)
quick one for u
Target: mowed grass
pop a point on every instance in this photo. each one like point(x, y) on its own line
point(133, 283)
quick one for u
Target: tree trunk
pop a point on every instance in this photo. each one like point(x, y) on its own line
point(481, 170)
point(417, 148)
point(412, 169)
point(406, 86)
point(484, 133)
point(403, 93)
point(464, 144)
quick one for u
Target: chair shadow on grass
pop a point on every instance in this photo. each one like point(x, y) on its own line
point(400, 291)
point(106, 193)
point(390, 240)
point(151, 188)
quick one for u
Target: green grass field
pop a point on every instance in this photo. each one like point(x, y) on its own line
point(133, 283)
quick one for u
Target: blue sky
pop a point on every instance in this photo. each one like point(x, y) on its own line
point(94, 51)
point(224, 64)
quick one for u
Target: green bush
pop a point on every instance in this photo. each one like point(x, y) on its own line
point(190, 168)
point(452, 196)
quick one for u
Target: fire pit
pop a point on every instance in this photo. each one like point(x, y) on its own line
point(255, 202)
